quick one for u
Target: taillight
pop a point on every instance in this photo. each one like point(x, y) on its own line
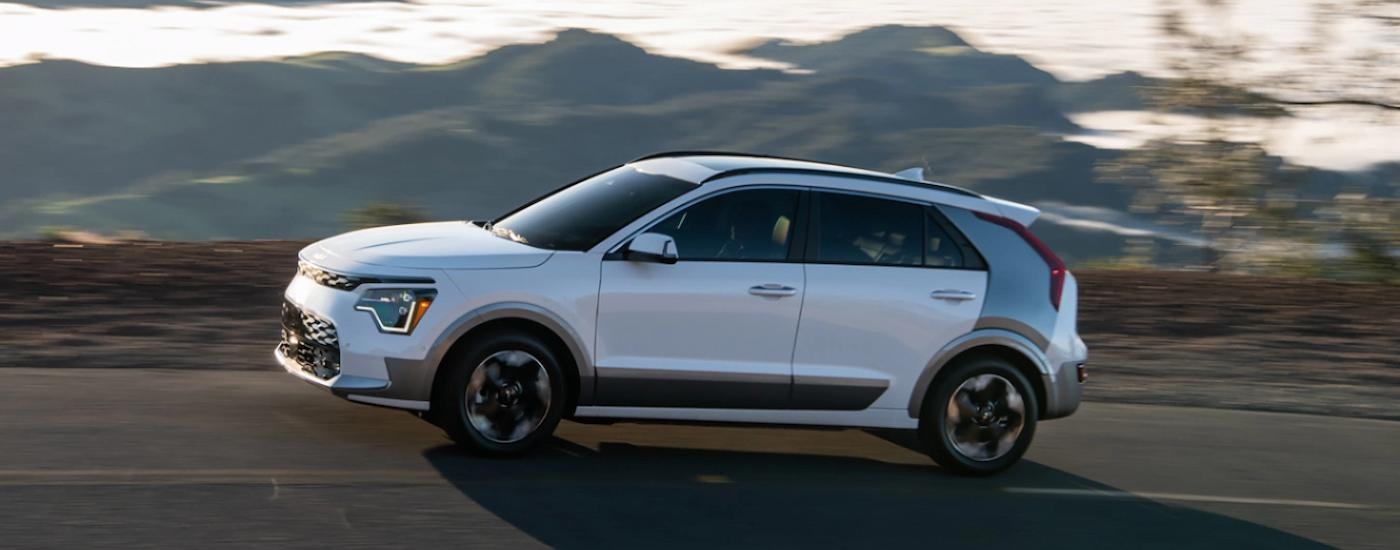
point(1056, 265)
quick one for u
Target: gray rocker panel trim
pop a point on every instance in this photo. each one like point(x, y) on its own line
point(691, 389)
point(824, 393)
point(983, 337)
point(711, 390)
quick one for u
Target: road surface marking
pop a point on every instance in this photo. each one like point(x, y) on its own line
point(1107, 493)
point(52, 473)
point(224, 476)
point(713, 478)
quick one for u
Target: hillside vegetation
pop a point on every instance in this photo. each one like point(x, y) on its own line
point(284, 149)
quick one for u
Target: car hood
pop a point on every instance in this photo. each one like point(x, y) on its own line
point(440, 245)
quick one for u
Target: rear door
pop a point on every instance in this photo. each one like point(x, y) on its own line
point(715, 329)
point(889, 283)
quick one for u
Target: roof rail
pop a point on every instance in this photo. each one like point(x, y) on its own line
point(707, 153)
point(865, 174)
point(854, 175)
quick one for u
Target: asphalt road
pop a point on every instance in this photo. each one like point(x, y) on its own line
point(190, 459)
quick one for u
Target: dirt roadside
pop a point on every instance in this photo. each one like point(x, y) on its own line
point(1154, 337)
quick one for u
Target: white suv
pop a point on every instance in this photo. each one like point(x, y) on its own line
point(712, 287)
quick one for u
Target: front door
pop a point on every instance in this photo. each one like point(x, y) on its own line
point(715, 329)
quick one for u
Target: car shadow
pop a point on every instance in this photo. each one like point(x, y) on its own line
point(630, 496)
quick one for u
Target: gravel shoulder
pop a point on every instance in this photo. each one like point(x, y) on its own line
point(1175, 338)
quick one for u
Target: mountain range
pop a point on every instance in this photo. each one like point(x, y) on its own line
point(284, 148)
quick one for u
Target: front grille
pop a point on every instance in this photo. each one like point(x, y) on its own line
point(310, 341)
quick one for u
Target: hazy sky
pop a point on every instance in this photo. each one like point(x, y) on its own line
point(1073, 38)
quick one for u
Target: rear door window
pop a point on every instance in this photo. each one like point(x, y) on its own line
point(860, 230)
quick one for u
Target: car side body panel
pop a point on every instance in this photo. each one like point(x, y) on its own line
point(691, 334)
point(865, 326)
point(1018, 282)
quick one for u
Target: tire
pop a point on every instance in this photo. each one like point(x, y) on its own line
point(506, 374)
point(970, 422)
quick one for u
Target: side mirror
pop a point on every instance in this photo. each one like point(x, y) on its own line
point(652, 247)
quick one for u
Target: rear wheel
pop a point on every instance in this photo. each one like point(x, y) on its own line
point(503, 395)
point(980, 418)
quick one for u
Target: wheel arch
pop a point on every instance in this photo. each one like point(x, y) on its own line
point(527, 318)
point(1010, 346)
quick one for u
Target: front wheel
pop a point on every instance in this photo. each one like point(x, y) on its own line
point(502, 396)
point(980, 418)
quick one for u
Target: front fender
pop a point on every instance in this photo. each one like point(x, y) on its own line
point(509, 310)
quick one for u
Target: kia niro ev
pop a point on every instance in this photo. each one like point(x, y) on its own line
point(714, 287)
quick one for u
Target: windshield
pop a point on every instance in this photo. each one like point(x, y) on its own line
point(583, 214)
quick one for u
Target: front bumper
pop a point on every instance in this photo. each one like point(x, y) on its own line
point(342, 385)
point(327, 343)
point(373, 391)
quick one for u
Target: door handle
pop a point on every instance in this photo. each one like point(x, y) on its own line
point(772, 290)
point(952, 295)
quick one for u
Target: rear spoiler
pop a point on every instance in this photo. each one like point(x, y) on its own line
point(1015, 211)
point(1023, 214)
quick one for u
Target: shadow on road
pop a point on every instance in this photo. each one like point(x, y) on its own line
point(624, 495)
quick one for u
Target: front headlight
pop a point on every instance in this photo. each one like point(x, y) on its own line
point(396, 310)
